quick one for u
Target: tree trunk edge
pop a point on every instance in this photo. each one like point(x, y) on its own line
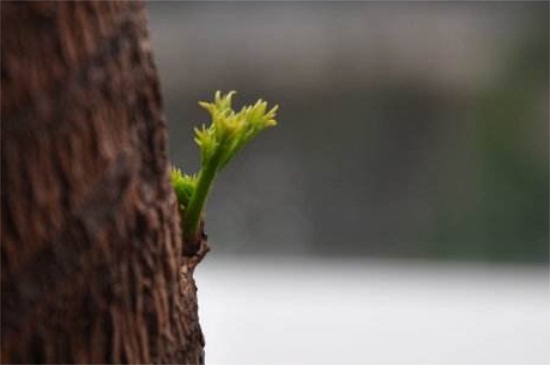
point(92, 265)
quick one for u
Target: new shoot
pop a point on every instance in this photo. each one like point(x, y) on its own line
point(228, 132)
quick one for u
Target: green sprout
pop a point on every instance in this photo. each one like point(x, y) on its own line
point(218, 144)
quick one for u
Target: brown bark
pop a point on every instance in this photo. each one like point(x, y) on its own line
point(92, 269)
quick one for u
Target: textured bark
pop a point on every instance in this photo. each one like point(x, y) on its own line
point(92, 269)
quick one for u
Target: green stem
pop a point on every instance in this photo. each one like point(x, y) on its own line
point(193, 211)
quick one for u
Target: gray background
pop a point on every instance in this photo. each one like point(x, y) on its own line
point(399, 212)
point(412, 130)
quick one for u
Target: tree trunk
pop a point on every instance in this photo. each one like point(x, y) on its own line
point(92, 264)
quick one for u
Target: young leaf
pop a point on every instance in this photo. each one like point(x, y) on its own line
point(228, 132)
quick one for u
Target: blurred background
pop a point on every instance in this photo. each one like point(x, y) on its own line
point(399, 212)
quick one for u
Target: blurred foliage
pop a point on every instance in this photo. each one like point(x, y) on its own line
point(509, 219)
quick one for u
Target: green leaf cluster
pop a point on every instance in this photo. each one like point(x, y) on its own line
point(184, 185)
point(228, 132)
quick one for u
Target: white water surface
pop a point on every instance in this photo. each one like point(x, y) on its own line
point(291, 311)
